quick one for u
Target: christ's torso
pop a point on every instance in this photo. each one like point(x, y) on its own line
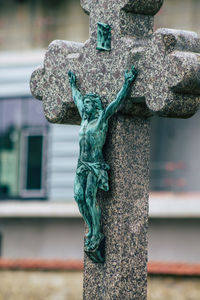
point(92, 136)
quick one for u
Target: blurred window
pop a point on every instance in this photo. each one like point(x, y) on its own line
point(175, 156)
point(23, 139)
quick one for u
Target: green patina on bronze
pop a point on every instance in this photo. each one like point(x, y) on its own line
point(92, 171)
point(103, 37)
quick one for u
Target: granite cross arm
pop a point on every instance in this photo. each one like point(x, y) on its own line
point(168, 84)
point(168, 61)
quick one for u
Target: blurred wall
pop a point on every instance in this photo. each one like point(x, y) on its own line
point(32, 24)
point(65, 285)
point(179, 14)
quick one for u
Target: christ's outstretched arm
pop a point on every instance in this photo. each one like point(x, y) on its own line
point(113, 106)
point(77, 97)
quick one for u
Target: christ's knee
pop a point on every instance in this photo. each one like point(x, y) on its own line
point(90, 198)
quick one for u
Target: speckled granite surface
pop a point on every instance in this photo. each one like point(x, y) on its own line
point(124, 215)
point(168, 84)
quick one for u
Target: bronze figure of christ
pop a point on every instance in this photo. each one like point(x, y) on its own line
point(91, 172)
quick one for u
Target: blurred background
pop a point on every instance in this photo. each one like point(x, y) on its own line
point(40, 226)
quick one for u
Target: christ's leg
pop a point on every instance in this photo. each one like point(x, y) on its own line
point(79, 195)
point(95, 212)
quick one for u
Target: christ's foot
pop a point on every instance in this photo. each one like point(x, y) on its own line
point(95, 241)
point(95, 248)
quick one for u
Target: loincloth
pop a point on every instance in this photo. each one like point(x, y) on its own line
point(98, 169)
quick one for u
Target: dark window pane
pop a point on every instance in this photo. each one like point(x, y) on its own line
point(34, 162)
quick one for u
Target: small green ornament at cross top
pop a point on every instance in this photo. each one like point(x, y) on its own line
point(91, 172)
point(103, 37)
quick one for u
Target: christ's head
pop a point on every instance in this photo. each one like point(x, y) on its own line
point(92, 104)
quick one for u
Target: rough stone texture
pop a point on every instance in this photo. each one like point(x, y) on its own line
point(173, 81)
point(125, 215)
point(167, 84)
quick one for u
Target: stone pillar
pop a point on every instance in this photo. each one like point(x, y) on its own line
point(124, 215)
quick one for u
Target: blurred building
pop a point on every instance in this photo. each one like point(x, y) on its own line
point(38, 217)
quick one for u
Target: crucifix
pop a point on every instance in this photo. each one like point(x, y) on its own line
point(167, 84)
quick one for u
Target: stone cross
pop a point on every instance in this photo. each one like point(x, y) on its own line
point(168, 83)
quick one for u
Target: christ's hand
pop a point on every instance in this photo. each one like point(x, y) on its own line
point(130, 76)
point(72, 78)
